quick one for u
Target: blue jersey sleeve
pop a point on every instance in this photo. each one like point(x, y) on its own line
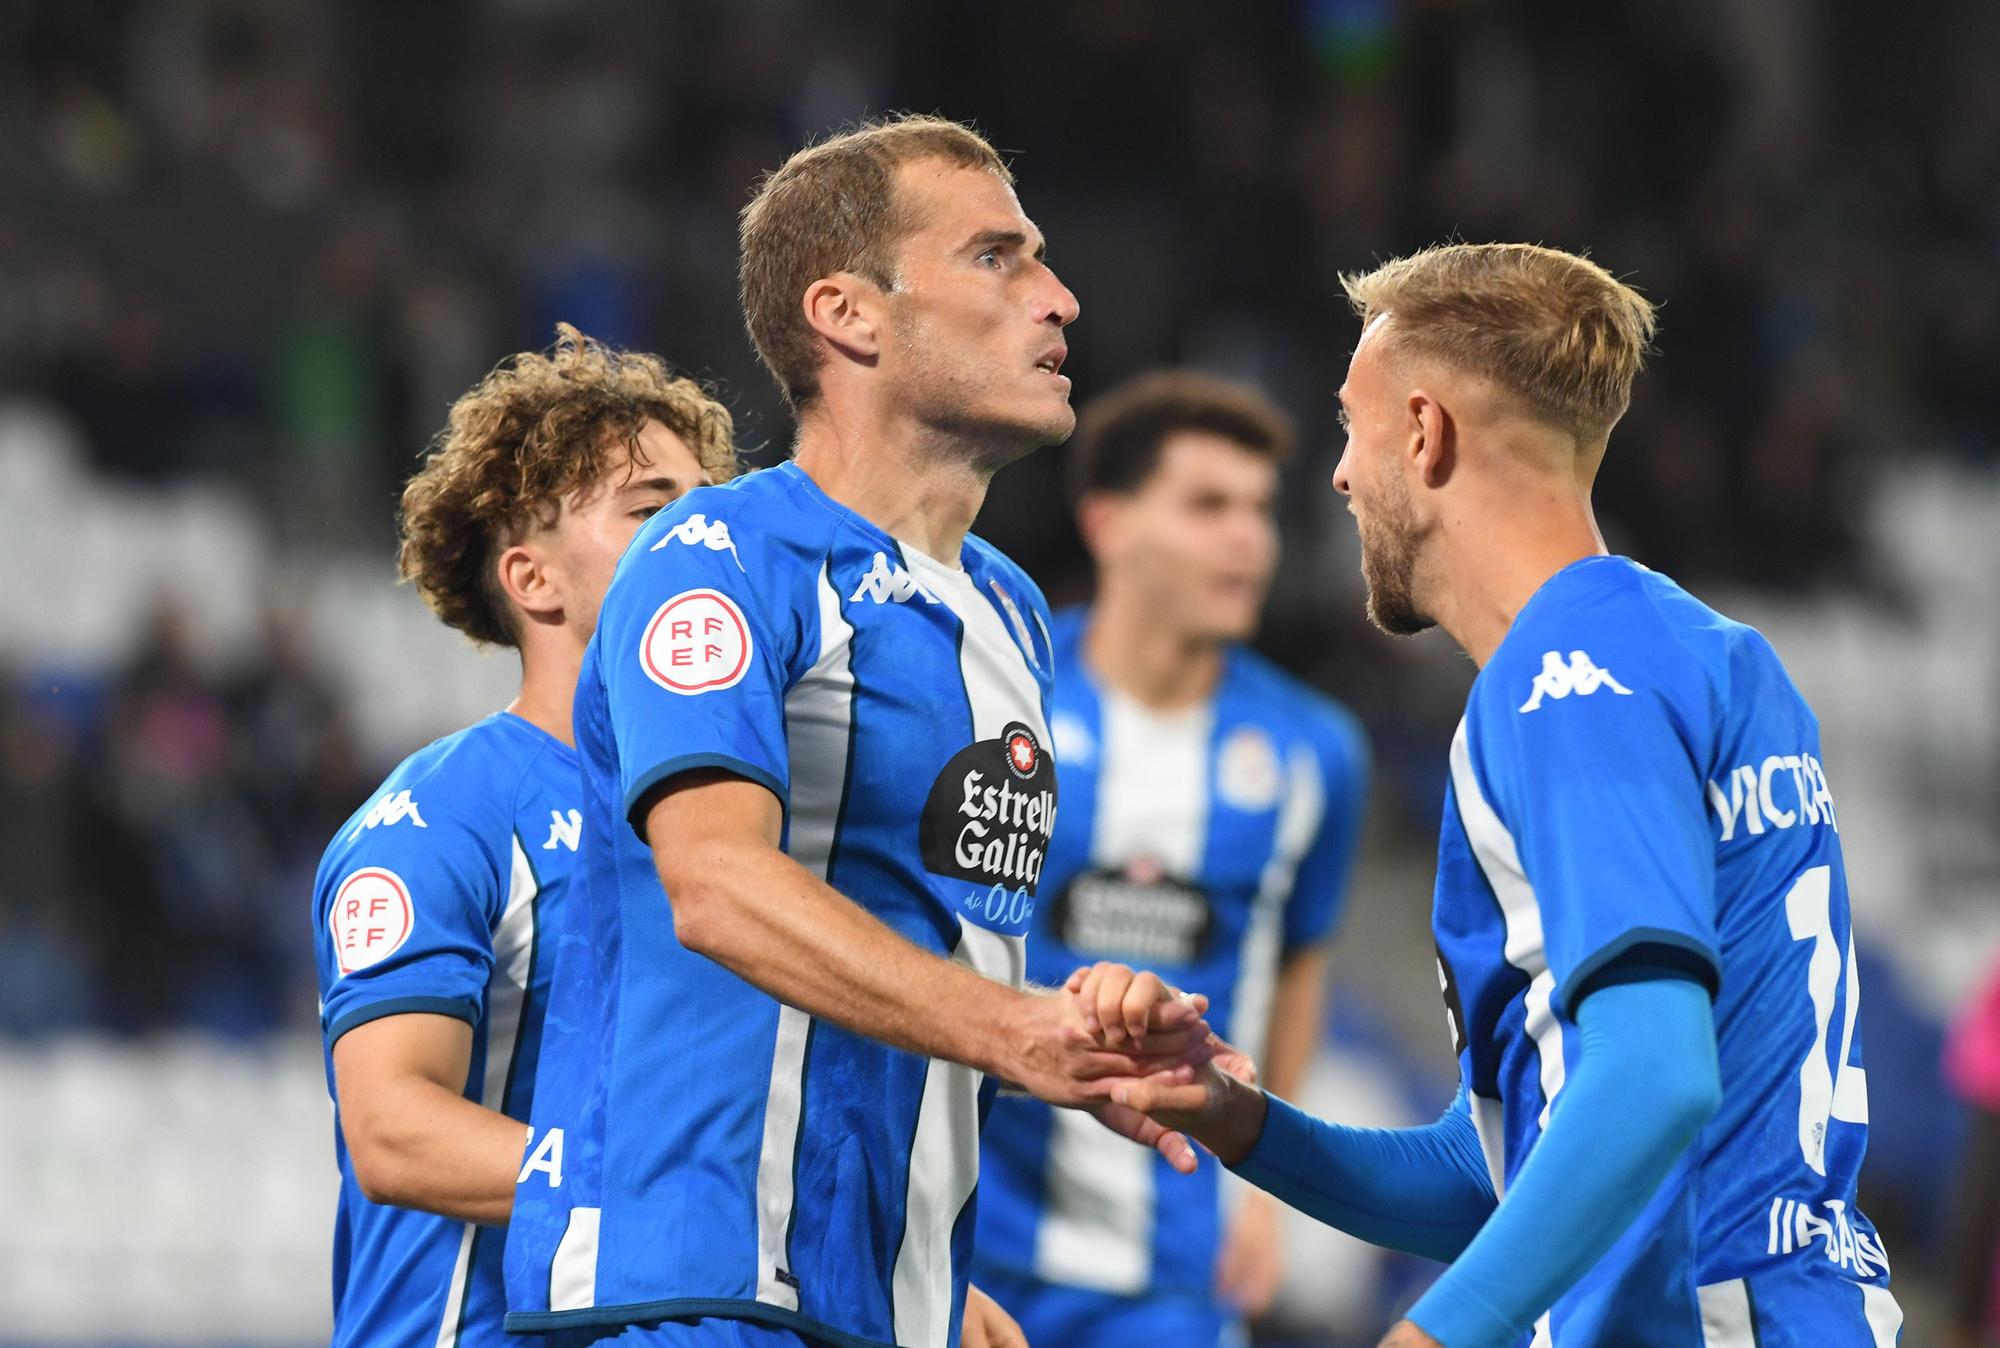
point(1590, 736)
point(697, 640)
point(406, 902)
point(1320, 889)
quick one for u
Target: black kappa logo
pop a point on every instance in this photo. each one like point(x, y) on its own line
point(990, 813)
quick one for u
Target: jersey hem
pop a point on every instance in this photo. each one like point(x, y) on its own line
point(685, 1308)
point(401, 1006)
point(1703, 962)
point(674, 767)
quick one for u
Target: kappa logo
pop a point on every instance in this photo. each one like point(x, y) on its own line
point(392, 809)
point(565, 830)
point(701, 531)
point(1580, 676)
point(886, 583)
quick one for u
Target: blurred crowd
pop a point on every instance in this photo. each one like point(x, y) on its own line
point(271, 241)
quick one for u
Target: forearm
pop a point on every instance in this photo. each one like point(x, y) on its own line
point(769, 920)
point(1645, 1083)
point(1420, 1190)
point(417, 1144)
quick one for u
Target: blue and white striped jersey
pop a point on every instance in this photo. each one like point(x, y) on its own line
point(1637, 778)
point(698, 1148)
point(1204, 845)
point(432, 898)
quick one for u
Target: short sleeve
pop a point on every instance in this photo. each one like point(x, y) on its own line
point(405, 917)
point(1319, 891)
point(695, 653)
point(1593, 758)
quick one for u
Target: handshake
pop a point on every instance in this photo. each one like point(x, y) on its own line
point(1140, 1056)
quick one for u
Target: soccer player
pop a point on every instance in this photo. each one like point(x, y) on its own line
point(1641, 910)
point(1210, 810)
point(431, 901)
point(819, 797)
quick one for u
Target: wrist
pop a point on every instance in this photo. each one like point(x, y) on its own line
point(1009, 1021)
point(1237, 1124)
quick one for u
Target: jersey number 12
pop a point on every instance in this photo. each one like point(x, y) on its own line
point(1823, 1093)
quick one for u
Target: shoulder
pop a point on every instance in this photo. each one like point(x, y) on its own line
point(456, 793)
point(767, 526)
point(1608, 625)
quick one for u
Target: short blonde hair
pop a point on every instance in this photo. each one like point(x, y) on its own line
point(831, 208)
point(1553, 328)
point(528, 435)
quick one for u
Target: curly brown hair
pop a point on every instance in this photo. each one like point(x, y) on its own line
point(525, 438)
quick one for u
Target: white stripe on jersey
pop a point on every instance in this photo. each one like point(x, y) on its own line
point(819, 720)
point(1152, 801)
point(573, 1271)
point(1725, 1315)
point(1494, 848)
point(944, 1152)
point(506, 996)
point(1264, 938)
point(1885, 1317)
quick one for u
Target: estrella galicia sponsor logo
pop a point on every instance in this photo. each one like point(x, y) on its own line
point(1136, 912)
point(1581, 677)
point(989, 814)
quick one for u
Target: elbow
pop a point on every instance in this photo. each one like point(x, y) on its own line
point(1689, 1099)
point(697, 906)
point(378, 1170)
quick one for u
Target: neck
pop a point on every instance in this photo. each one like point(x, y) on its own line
point(1147, 660)
point(549, 669)
point(1494, 558)
point(911, 481)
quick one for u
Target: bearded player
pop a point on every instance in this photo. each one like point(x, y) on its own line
point(1641, 914)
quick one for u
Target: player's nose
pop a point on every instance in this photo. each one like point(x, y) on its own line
point(1058, 304)
point(1340, 477)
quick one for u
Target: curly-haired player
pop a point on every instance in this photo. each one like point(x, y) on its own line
point(429, 901)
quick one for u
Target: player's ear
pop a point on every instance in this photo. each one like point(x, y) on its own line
point(1099, 520)
point(1433, 438)
point(525, 579)
point(841, 309)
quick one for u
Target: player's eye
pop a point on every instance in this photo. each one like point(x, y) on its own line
point(990, 258)
point(646, 512)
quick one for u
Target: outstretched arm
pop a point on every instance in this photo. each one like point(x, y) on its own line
point(738, 899)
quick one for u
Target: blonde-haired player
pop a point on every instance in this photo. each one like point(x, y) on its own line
point(1641, 912)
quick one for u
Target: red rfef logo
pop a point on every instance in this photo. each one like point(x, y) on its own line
point(697, 642)
point(371, 917)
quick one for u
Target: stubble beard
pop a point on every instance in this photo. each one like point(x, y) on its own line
point(1389, 564)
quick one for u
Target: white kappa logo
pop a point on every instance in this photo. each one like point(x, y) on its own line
point(568, 831)
point(1580, 676)
point(371, 917)
point(699, 530)
point(886, 583)
point(390, 809)
point(697, 642)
